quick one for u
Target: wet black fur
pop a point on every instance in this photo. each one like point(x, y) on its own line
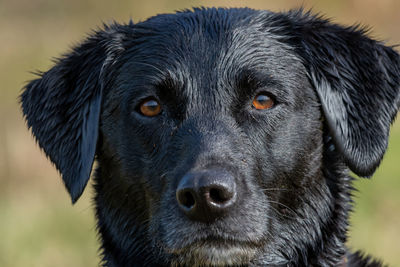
point(336, 93)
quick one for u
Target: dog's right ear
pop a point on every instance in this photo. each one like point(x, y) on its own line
point(357, 80)
point(62, 107)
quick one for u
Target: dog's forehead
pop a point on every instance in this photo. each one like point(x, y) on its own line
point(209, 48)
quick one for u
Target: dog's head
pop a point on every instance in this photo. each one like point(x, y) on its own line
point(222, 135)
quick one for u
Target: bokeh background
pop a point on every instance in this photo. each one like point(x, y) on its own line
point(38, 224)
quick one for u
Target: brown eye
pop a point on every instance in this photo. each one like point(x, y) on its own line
point(150, 107)
point(263, 101)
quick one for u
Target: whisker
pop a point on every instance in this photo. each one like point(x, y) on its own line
point(276, 189)
point(285, 215)
point(286, 207)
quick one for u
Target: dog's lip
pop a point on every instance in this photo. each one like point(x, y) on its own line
point(215, 251)
point(216, 242)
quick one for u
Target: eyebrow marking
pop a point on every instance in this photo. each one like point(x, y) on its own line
point(248, 79)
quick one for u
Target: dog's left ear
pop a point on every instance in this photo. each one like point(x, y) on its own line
point(62, 107)
point(358, 83)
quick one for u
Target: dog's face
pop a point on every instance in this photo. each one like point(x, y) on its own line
point(221, 135)
point(217, 139)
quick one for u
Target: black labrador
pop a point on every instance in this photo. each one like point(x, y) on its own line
point(224, 137)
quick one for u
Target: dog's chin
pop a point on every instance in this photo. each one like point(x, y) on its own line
point(213, 255)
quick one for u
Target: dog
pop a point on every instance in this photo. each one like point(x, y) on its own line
point(223, 137)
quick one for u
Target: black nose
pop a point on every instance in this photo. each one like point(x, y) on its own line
point(206, 195)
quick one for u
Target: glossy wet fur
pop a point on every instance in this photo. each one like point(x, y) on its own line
point(280, 176)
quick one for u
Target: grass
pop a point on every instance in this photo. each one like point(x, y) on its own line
point(46, 232)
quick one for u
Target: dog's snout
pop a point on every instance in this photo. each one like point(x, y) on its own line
point(206, 195)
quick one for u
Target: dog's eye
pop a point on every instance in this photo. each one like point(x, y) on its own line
point(150, 107)
point(263, 101)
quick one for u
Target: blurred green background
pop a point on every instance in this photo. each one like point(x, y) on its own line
point(38, 224)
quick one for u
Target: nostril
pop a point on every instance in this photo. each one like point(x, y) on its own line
point(186, 199)
point(219, 196)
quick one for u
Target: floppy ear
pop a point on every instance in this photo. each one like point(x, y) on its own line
point(62, 107)
point(358, 83)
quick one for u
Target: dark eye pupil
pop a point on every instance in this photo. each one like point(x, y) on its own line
point(151, 105)
point(262, 99)
point(150, 108)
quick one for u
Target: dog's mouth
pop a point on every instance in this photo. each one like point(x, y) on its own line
point(214, 252)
